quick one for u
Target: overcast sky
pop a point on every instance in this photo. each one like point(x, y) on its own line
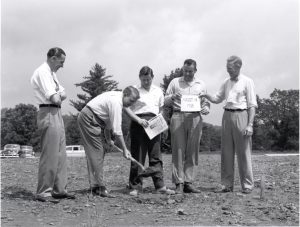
point(124, 35)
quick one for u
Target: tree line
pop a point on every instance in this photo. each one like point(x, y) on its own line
point(276, 125)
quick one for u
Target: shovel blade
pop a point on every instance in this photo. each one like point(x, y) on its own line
point(149, 172)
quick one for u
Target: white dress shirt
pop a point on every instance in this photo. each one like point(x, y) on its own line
point(179, 85)
point(45, 84)
point(149, 101)
point(239, 94)
point(108, 107)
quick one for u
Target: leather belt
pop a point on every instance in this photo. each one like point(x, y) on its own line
point(235, 110)
point(49, 105)
point(185, 112)
point(146, 115)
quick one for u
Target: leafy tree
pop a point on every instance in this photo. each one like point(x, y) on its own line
point(167, 79)
point(211, 137)
point(277, 121)
point(71, 130)
point(18, 125)
point(94, 84)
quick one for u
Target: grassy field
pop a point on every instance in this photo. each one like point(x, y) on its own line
point(278, 207)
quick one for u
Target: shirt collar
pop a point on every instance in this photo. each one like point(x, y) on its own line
point(48, 68)
point(140, 87)
point(196, 80)
point(236, 79)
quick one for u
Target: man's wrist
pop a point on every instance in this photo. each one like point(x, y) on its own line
point(250, 124)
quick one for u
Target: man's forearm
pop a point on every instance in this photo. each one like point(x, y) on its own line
point(55, 99)
point(107, 135)
point(212, 98)
point(132, 115)
point(121, 141)
point(251, 114)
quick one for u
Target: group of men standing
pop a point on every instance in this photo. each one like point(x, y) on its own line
point(103, 115)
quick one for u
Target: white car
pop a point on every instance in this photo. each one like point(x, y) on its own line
point(75, 151)
point(10, 151)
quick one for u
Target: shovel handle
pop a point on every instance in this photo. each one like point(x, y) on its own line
point(131, 158)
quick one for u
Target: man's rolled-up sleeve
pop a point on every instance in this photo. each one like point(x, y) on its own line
point(46, 84)
point(251, 95)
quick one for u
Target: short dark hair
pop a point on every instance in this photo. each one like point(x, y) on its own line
point(131, 91)
point(55, 51)
point(146, 70)
point(190, 62)
point(237, 61)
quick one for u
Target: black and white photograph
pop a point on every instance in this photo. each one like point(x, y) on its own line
point(82, 81)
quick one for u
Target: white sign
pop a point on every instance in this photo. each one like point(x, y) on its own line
point(190, 103)
point(156, 126)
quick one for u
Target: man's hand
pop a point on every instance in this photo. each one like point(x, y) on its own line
point(110, 144)
point(126, 154)
point(176, 97)
point(204, 110)
point(248, 130)
point(143, 123)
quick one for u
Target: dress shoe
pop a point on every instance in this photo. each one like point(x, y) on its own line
point(227, 189)
point(46, 199)
point(63, 196)
point(102, 191)
point(188, 188)
point(247, 191)
point(179, 189)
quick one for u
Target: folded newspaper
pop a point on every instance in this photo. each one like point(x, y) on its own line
point(156, 126)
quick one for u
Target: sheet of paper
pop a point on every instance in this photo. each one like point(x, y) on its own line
point(156, 126)
point(190, 103)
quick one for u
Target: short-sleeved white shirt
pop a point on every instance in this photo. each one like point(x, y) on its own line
point(149, 101)
point(179, 85)
point(238, 94)
point(108, 107)
point(45, 84)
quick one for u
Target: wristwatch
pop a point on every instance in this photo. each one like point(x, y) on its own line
point(250, 124)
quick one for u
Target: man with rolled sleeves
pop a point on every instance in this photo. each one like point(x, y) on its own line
point(96, 120)
point(52, 174)
point(237, 125)
point(186, 127)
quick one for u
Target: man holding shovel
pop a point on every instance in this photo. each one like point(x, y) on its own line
point(96, 120)
point(148, 106)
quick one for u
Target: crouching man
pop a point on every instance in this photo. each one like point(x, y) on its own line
point(96, 120)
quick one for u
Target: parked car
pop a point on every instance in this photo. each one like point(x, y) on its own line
point(26, 152)
point(10, 151)
point(75, 151)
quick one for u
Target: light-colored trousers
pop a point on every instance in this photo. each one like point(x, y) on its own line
point(52, 174)
point(234, 141)
point(186, 131)
point(91, 131)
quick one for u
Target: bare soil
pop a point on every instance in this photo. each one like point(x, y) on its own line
point(277, 206)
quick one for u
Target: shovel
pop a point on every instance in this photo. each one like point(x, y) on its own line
point(147, 172)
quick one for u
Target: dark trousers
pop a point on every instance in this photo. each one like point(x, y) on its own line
point(140, 146)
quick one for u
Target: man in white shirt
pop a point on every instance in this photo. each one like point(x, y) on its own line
point(148, 106)
point(52, 174)
point(186, 126)
point(237, 125)
point(96, 120)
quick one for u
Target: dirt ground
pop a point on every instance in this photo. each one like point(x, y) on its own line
point(278, 206)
